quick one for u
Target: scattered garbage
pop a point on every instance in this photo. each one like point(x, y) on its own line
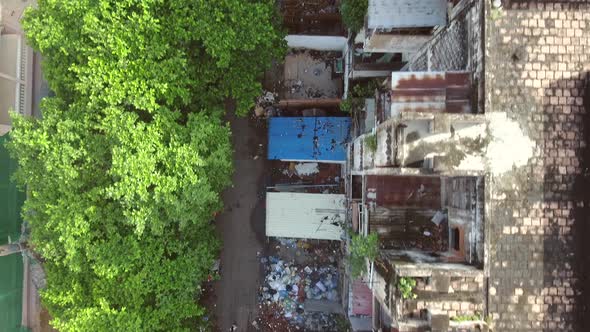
point(305, 169)
point(288, 286)
point(439, 216)
point(264, 102)
point(271, 318)
point(287, 242)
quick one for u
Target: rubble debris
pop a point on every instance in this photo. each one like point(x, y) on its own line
point(271, 319)
point(305, 169)
point(288, 286)
point(258, 110)
point(438, 218)
point(264, 102)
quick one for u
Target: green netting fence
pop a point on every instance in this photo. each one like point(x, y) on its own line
point(11, 293)
point(11, 199)
point(11, 266)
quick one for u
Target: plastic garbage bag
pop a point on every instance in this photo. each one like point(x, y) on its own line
point(321, 286)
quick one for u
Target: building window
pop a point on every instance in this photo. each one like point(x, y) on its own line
point(455, 238)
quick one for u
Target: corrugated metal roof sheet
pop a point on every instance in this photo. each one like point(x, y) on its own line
point(430, 92)
point(302, 215)
point(308, 139)
point(362, 299)
point(404, 191)
point(392, 14)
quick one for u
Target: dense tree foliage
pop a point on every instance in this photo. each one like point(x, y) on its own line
point(145, 53)
point(124, 171)
point(353, 13)
point(362, 248)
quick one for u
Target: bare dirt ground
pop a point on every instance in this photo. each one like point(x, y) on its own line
point(241, 227)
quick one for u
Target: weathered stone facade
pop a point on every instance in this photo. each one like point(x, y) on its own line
point(537, 179)
point(536, 66)
point(537, 60)
point(464, 299)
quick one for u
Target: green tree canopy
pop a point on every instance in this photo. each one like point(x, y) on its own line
point(120, 209)
point(353, 13)
point(146, 53)
point(361, 249)
point(124, 171)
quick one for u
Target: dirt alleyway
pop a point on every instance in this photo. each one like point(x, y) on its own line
point(241, 226)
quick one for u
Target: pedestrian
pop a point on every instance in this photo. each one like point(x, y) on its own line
point(233, 328)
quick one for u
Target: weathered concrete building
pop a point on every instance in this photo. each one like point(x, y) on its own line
point(392, 33)
point(16, 72)
point(417, 167)
point(517, 145)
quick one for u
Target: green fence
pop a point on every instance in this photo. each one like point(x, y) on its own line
point(11, 200)
point(11, 267)
point(11, 293)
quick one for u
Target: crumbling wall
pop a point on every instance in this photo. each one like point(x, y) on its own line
point(462, 298)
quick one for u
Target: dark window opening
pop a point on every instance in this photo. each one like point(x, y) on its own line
point(455, 239)
point(357, 187)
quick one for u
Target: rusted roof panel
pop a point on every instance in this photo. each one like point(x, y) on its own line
point(458, 106)
point(362, 299)
point(430, 92)
point(418, 80)
point(404, 191)
point(457, 93)
point(460, 78)
point(418, 95)
point(311, 174)
point(405, 228)
point(394, 14)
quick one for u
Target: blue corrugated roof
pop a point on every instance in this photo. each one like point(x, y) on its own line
point(308, 138)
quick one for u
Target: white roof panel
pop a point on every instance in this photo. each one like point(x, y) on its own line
point(390, 14)
point(303, 215)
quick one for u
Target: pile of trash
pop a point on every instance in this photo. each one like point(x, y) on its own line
point(264, 104)
point(319, 321)
point(271, 319)
point(290, 286)
point(287, 242)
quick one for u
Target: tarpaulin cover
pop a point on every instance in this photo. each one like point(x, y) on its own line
point(308, 138)
point(11, 200)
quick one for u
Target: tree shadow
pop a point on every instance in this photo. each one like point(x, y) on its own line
point(566, 187)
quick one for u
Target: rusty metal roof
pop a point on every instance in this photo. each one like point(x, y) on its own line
point(404, 191)
point(395, 14)
point(362, 299)
point(430, 92)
